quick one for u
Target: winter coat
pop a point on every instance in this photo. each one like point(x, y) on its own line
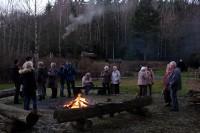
point(86, 81)
point(150, 75)
point(52, 78)
point(69, 72)
point(175, 79)
point(15, 74)
point(142, 78)
point(61, 75)
point(166, 80)
point(29, 82)
point(41, 76)
point(106, 76)
point(115, 77)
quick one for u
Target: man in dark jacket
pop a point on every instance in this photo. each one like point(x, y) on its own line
point(174, 85)
point(70, 79)
point(17, 81)
point(61, 75)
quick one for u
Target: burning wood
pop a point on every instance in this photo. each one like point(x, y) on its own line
point(79, 102)
point(98, 110)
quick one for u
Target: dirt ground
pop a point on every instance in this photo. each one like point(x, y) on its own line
point(161, 119)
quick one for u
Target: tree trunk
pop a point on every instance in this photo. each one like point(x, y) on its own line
point(7, 93)
point(19, 119)
point(67, 115)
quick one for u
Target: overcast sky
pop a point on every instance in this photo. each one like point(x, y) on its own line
point(24, 4)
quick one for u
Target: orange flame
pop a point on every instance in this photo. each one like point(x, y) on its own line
point(79, 102)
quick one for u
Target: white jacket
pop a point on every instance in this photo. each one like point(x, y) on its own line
point(115, 78)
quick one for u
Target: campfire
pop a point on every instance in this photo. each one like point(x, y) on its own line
point(78, 102)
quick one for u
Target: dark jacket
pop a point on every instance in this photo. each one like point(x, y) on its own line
point(61, 75)
point(69, 72)
point(41, 76)
point(175, 79)
point(15, 74)
point(52, 76)
point(29, 82)
point(106, 75)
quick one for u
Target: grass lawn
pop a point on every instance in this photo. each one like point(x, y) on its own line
point(129, 85)
point(6, 86)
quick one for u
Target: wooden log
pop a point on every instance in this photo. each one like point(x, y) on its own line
point(7, 93)
point(68, 115)
point(19, 119)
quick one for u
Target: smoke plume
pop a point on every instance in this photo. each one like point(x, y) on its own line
point(85, 18)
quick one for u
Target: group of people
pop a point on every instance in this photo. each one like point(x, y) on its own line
point(145, 81)
point(110, 81)
point(33, 81)
point(172, 83)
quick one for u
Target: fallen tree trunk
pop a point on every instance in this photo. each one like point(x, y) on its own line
point(7, 93)
point(19, 119)
point(68, 115)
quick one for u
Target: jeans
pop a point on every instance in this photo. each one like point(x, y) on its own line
point(106, 87)
point(62, 87)
point(27, 99)
point(71, 85)
point(41, 90)
point(150, 88)
point(115, 88)
point(173, 94)
point(167, 97)
point(87, 89)
point(54, 92)
point(143, 90)
point(17, 92)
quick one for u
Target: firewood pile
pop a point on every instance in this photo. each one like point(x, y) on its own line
point(194, 95)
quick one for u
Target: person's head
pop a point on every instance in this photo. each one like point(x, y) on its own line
point(29, 65)
point(114, 68)
point(88, 74)
point(106, 68)
point(148, 68)
point(40, 64)
point(53, 65)
point(181, 60)
point(143, 69)
point(28, 58)
point(16, 61)
point(172, 65)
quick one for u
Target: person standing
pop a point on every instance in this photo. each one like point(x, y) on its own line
point(41, 77)
point(62, 80)
point(17, 81)
point(70, 74)
point(29, 85)
point(150, 80)
point(174, 85)
point(106, 79)
point(142, 81)
point(166, 89)
point(52, 74)
point(115, 80)
point(87, 83)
